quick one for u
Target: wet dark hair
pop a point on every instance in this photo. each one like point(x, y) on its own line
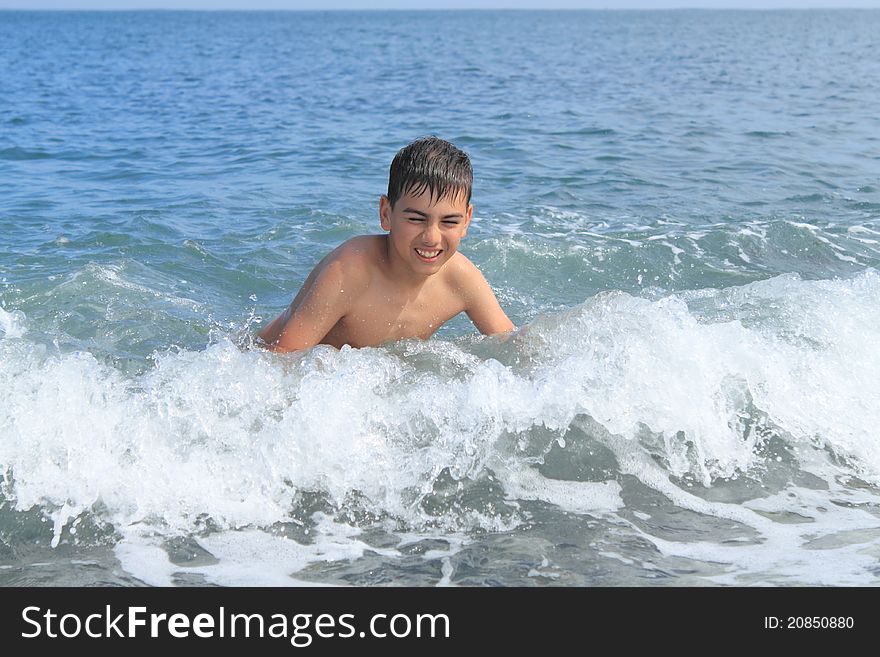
point(432, 164)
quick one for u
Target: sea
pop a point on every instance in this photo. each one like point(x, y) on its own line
point(679, 210)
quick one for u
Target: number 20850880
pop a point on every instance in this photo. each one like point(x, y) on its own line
point(809, 622)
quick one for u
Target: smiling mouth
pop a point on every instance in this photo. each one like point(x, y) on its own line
point(428, 256)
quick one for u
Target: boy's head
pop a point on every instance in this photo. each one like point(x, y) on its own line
point(433, 165)
point(432, 181)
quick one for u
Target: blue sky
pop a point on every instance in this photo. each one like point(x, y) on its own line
point(430, 4)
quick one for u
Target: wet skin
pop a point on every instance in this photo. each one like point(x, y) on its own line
point(374, 289)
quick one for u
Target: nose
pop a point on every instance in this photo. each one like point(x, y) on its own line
point(431, 235)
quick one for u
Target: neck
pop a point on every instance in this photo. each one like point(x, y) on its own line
point(405, 277)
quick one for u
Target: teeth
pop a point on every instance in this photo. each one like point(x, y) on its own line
point(428, 254)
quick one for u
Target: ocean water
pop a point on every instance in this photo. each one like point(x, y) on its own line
point(679, 210)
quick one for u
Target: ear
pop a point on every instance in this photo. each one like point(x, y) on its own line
point(467, 219)
point(384, 212)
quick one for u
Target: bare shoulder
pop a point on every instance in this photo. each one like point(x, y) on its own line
point(362, 251)
point(355, 260)
point(464, 277)
point(362, 245)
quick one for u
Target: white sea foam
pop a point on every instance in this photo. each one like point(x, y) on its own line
point(586, 497)
point(794, 553)
point(12, 323)
point(244, 558)
point(686, 385)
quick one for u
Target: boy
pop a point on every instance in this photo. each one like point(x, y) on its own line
point(374, 289)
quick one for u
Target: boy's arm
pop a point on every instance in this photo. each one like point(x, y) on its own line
point(309, 318)
point(481, 305)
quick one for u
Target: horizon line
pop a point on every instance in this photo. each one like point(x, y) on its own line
point(424, 9)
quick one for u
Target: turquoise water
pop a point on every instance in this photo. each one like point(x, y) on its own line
point(681, 210)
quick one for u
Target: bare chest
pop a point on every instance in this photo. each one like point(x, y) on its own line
point(381, 316)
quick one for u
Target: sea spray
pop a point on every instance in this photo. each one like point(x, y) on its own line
point(234, 436)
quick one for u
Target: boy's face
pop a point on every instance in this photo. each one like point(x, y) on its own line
point(425, 231)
